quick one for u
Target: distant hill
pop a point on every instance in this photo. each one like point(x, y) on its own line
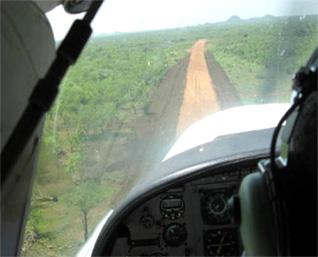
point(267, 17)
point(234, 19)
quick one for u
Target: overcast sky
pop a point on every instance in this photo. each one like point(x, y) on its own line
point(139, 15)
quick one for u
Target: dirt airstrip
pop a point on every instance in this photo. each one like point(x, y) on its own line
point(200, 98)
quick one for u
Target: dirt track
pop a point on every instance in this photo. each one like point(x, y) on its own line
point(200, 98)
point(155, 132)
point(227, 95)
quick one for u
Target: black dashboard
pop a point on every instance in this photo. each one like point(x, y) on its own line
point(186, 220)
point(179, 208)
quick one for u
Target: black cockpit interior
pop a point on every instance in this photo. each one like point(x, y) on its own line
point(188, 219)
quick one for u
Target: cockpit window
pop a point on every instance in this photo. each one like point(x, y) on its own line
point(151, 70)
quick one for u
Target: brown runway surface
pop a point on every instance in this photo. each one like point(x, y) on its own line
point(200, 98)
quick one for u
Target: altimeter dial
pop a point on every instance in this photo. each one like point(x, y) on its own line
point(214, 208)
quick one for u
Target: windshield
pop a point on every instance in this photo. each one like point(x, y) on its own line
point(151, 69)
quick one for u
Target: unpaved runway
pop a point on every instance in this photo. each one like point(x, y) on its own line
point(200, 98)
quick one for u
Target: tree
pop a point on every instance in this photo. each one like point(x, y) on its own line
point(86, 195)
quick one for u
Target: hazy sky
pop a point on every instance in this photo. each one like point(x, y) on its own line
point(138, 15)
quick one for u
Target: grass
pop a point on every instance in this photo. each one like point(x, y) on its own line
point(254, 82)
point(64, 221)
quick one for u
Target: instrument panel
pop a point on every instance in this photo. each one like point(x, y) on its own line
point(191, 219)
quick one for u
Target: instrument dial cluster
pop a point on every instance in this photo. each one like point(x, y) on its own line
point(188, 220)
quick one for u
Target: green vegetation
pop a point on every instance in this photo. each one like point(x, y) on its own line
point(260, 57)
point(80, 160)
point(82, 169)
point(85, 196)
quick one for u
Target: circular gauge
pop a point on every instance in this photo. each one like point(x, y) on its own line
point(214, 208)
point(217, 204)
point(221, 243)
point(175, 235)
point(172, 207)
point(147, 221)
